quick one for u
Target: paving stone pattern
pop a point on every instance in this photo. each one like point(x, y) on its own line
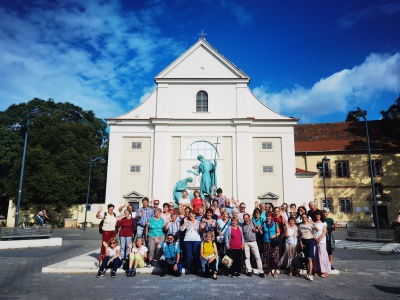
point(364, 275)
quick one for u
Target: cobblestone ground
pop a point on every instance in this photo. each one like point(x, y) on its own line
point(364, 275)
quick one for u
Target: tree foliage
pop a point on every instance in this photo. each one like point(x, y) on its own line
point(393, 111)
point(61, 142)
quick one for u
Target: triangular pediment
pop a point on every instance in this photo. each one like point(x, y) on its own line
point(202, 61)
point(268, 196)
point(133, 195)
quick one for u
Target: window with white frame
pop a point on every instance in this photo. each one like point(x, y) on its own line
point(345, 205)
point(136, 145)
point(266, 145)
point(268, 169)
point(201, 148)
point(202, 102)
point(135, 169)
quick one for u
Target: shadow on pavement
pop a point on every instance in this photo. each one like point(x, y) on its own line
point(388, 289)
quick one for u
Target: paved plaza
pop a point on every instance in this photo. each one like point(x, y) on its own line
point(363, 275)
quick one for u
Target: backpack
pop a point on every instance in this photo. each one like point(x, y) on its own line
point(102, 223)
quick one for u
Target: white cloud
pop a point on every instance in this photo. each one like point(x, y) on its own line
point(93, 54)
point(339, 92)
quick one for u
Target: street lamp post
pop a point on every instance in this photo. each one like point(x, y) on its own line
point(32, 112)
point(321, 166)
point(359, 113)
point(92, 160)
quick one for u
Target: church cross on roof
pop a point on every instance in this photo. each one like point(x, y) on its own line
point(202, 34)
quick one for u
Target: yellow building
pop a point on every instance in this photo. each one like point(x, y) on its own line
point(347, 175)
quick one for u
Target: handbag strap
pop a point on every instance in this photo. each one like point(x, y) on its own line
point(225, 225)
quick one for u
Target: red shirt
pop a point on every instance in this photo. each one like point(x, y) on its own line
point(236, 239)
point(127, 226)
point(196, 204)
point(279, 221)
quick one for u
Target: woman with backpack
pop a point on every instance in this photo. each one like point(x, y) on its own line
point(107, 227)
point(209, 256)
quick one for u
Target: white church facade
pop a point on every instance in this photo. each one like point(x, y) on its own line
point(202, 105)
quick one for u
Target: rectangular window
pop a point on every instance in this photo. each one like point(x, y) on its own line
point(136, 145)
point(345, 205)
point(266, 145)
point(342, 168)
point(328, 203)
point(323, 167)
point(135, 169)
point(268, 169)
point(377, 168)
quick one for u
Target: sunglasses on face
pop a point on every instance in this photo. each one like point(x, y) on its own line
point(156, 203)
point(112, 243)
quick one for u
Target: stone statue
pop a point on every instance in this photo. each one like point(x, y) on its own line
point(208, 175)
point(180, 186)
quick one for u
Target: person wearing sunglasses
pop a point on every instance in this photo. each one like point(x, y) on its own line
point(112, 259)
point(170, 260)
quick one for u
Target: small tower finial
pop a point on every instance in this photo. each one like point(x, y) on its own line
point(202, 35)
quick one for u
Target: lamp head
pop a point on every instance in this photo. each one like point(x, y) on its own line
point(359, 113)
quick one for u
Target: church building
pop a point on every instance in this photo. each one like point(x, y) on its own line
point(202, 105)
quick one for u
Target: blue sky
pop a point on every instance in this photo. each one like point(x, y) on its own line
point(314, 60)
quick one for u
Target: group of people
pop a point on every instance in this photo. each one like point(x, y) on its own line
point(216, 237)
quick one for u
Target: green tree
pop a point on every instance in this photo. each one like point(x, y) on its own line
point(393, 111)
point(61, 142)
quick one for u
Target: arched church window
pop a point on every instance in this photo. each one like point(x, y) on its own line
point(201, 148)
point(202, 101)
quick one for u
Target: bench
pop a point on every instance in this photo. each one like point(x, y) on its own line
point(24, 233)
point(370, 235)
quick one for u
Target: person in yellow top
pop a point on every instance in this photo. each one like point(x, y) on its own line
point(209, 256)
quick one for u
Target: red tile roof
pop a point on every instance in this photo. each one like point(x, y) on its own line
point(347, 136)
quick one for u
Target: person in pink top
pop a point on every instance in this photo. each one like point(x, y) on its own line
point(234, 243)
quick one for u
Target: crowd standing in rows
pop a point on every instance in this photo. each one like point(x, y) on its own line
point(217, 238)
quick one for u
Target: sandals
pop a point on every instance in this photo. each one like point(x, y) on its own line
point(214, 276)
point(269, 274)
point(324, 275)
point(290, 274)
point(276, 274)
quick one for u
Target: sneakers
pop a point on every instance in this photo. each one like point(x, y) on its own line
point(100, 274)
point(230, 275)
point(187, 272)
point(148, 265)
point(310, 277)
point(332, 268)
point(238, 275)
point(214, 276)
point(132, 273)
point(112, 274)
point(249, 274)
point(262, 275)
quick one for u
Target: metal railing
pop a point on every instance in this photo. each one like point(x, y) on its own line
point(370, 235)
point(25, 233)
